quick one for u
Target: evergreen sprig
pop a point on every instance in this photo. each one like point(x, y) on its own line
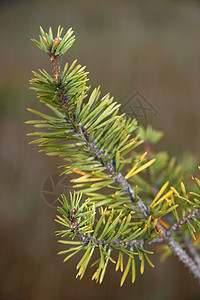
point(118, 234)
point(99, 145)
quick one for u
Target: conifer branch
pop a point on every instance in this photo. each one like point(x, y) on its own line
point(86, 238)
point(94, 140)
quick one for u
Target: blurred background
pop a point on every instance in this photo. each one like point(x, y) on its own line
point(150, 47)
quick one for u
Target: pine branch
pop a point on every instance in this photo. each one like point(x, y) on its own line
point(79, 220)
point(86, 238)
point(94, 140)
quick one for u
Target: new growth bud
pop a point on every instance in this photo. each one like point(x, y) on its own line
point(74, 210)
point(57, 41)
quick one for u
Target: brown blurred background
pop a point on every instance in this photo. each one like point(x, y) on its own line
point(128, 46)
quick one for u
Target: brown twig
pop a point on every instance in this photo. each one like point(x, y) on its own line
point(55, 66)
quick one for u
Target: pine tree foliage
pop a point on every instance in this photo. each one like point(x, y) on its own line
point(145, 201)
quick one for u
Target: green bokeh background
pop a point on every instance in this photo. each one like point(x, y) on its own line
point(128, 46)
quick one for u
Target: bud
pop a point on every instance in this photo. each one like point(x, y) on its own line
point(57, 41)
point(74, 210)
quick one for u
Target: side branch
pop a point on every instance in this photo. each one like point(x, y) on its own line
point(74, 226)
